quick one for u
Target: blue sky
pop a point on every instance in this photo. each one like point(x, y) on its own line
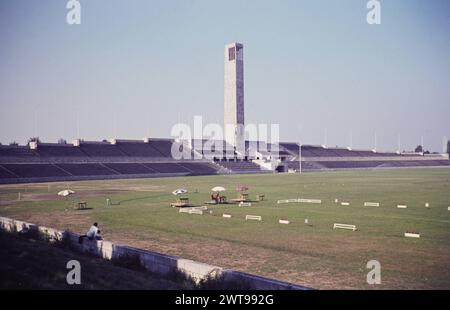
point(137, 67)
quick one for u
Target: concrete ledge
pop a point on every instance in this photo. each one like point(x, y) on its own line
point(152, 261)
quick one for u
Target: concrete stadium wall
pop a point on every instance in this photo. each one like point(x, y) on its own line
point(155, 262)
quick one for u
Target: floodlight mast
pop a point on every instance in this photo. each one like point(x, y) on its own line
point(444, 145)
point(78, 126)
point(351, 138)
point(375, 142)
point(35, 123)
point(300, 156)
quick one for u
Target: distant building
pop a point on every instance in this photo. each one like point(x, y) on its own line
point(234, 95)
point(448, 147)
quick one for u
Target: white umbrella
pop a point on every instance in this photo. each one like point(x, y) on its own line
point(66, 192)
point(218, 189)
point(179, 191)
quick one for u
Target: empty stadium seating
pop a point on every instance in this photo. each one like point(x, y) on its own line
point(319, 151)
point(95, 160)
point(59, 150)
point(199, 168)
point(100, 149)
point(12, 173)
point(126, 159)
point(163, 146)
point(324, 165)
point(5, 174)
point(35, 170)
point(139, 149)
point(16, 151)
point(240, 166)
point(290, 147)
point(86, 169)
point(129, 168)
point(167, 167)
point(211, 149)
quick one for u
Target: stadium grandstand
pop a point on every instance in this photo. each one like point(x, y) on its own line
point(313, 158)
point(120, 159)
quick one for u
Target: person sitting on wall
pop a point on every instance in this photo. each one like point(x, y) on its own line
point(92, 234)
point(98, 236)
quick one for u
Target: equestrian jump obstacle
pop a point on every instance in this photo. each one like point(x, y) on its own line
point(412, 235)
point(371, 204)
point(253, 217)
point(344, 226)
point(299, 200)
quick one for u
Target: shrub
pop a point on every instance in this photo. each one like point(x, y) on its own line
point(33, 233)
point(181, 278)
point(219, 281)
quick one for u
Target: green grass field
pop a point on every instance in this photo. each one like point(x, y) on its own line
point(315, 256)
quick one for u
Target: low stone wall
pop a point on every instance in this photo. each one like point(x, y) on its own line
point(155, 262)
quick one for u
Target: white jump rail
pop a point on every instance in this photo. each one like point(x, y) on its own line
point(282, 201)
point(344, 226)
point(287, 201)
point(228, 216)
point(345, 203)
point(371, 204)
point(284, 222)
point(202, 208)
point(253, 217)
point(245, 204)
point(299, 200)
point(304, 200)
point(412, 235)
point(402, 206)
point(193, 211)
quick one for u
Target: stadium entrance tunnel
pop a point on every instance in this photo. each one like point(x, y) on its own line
point(281, 168)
